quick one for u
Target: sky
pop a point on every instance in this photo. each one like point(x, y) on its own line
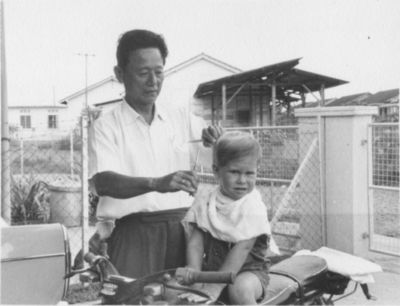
point(353, 40)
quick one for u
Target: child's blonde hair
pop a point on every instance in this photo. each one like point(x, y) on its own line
point(234, 145)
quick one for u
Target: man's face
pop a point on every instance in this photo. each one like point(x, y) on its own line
point(143, 76)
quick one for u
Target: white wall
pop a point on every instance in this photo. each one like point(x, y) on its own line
point(345, 157)
point(179, 86)
point(39, 121)
point(109, 91)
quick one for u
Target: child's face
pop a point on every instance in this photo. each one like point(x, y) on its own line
point(238, 177)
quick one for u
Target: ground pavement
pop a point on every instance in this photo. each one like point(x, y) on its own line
point(386, 287)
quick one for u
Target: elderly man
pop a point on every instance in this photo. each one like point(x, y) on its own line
point(140, 162)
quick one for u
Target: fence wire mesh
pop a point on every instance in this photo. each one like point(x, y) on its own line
point(288, 180)
point(46, 186)
point(384, 187)
point(385, 154)
point(45, 180)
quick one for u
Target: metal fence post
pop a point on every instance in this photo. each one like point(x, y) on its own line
point(21, 146)
point(370, 183)
point(5, 138)
point(322, 183)
point(85, 183)
point(71, 147)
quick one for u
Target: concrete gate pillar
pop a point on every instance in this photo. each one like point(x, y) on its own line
point(344, 183)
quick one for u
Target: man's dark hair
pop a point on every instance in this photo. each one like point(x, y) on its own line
point(139, 39)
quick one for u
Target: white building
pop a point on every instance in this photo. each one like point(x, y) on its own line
point(180, 83)
point(182, 80)
point(38, 122)
point(106, 90)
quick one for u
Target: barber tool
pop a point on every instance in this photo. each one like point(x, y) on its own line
point(195, 166)
point(196, 161)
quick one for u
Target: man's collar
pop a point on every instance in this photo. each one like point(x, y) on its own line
point(130, 115)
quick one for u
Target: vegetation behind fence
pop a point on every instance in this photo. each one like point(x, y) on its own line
point(46, 180)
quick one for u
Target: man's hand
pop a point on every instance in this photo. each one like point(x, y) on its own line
point(210, 135)
point(180, 180)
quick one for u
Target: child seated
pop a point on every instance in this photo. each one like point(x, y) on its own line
point(228, 228)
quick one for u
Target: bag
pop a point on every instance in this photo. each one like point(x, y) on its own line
point(334, 283)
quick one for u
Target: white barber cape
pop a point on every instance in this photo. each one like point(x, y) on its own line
point(229, 220)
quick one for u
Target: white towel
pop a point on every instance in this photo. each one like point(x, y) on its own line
point(229, 220)
point(355, 267)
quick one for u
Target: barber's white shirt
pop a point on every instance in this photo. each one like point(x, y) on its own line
point(121, 141)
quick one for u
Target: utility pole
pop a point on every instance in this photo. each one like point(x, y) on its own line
point(84, 151)
point(86, 55)
point(5, 181)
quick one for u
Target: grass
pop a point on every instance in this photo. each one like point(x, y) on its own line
point(48, 160)
point(386, 212)
point(80, 293)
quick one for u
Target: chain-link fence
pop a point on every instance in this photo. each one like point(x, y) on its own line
point(45, 184)
point(384, 187)
point(289, 181)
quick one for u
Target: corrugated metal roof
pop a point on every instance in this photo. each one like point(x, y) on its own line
point(390, 96)
point(255, 75)
point(283, 74)
point(355, 99)
point(384, 97)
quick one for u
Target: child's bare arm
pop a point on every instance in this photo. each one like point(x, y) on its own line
point(232, 263)
point(195, 249)
point(237, 255)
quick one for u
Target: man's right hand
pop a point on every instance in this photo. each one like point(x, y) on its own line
point(180, 180)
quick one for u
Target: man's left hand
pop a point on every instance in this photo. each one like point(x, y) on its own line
point(210, 135)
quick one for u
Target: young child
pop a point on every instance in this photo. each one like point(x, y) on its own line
point(228, 228)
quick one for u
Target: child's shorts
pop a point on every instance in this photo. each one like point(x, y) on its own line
point(263, 276)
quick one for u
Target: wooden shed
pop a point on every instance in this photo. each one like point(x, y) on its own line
point(256, 97)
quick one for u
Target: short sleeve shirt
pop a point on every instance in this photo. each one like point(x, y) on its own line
point(121, 141)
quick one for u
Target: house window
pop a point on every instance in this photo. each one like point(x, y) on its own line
point(25, 121)
point(393, 110)
point(383, 111)
point(52, 121)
